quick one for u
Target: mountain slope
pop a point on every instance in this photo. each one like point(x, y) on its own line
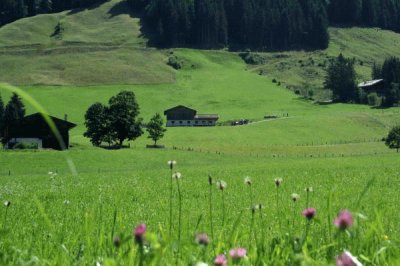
point(103, 45)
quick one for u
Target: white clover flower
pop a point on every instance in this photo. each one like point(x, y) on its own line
point(7, 203)
point(177, 175)
point(295, 197)
point(171, 164)
point(200, 263)
point(247, 180)
point(278, 181)
point(222, 185)
point(308, 189)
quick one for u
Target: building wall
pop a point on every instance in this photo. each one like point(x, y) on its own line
point(190, 123)
point(37, 141)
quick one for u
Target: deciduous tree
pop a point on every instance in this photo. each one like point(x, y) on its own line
point(155, 128)
point(393, 138)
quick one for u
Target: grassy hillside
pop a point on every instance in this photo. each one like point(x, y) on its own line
point(90, 41)
point(300, 70)
point(102, 45)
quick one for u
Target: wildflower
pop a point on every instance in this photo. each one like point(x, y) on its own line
point(210, 180)
point(202, 239)
point(171, 164)
point(237, 253)
point(308, 189)
point(221, 185)
point(221, 260)
point(117, 241)
point(344, 220)
point(386, 237)
point(66, 202)
point(256, 207)
point(200, 263)
point(247, 180)
point(139, 232)
point(295, 197)
point(278, 182)
point(177, 175)
point(347, 259)
point(7, 203)
point(309, 213)
point(50, 173)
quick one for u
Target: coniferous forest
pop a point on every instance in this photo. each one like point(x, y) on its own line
point(255, 24)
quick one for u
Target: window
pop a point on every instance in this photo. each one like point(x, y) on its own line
point(188, 122)
point(210, 122)
point(172, 122)
point(196, 122)
point(180, 122)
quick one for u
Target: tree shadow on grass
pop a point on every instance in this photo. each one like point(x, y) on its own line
point(123, 8)
point(94, 6)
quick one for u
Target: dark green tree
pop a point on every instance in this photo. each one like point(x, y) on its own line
point(1, 117)
point(124, 111)
point(340, 79)
point(376, 71)
point(393, 138)
point(155, 128)
point(13, 113)
point(97, 122)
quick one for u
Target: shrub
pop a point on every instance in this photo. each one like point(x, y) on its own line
point(374, 99)
point(253, 58)
point(174, 62)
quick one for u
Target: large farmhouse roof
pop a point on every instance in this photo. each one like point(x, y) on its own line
point(369, 83)
point(179, 107)
point(39, 117)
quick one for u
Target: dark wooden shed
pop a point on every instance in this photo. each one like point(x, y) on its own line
point(377, 86)
point(34, 129)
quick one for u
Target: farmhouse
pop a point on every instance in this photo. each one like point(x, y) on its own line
point(33, 130)
point(182, 116)
point(377, 85)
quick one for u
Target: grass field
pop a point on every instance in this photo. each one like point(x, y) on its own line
point(336, 149)
point(71, 218)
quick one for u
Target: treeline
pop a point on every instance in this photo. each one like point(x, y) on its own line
point(341, 80)
point(11, 10)
point(389, 71)
point(261, 24)
point(371, 13)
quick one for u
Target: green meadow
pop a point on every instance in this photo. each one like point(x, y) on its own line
point(71, 218)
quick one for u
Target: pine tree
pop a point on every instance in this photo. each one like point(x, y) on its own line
point(340, 79)
point(13, 114)
point(1, 116)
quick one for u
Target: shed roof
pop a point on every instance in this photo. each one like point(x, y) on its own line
point(369, 83)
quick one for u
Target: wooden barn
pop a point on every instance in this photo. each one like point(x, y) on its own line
point(377, 86)
point(182, 116)
point(33, 130)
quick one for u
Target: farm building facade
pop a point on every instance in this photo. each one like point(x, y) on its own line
point(182, 116)
point(34, 130)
